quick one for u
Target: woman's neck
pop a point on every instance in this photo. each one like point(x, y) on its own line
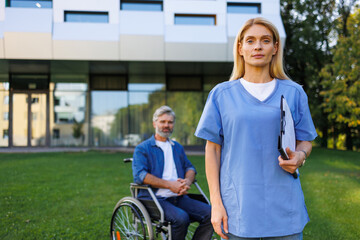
point(257, 75)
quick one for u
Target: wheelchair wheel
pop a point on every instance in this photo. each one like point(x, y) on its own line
point(130, 220)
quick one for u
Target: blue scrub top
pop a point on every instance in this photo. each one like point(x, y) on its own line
point(261, 199)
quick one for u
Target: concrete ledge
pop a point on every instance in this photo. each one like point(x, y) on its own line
point(192, 151)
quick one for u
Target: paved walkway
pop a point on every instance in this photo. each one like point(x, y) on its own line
point(83, 149)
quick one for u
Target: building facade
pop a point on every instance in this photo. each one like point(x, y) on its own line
point(91, 73)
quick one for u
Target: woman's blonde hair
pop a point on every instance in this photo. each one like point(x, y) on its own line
point(276, 64)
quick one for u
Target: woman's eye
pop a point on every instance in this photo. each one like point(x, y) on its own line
point(249, 41)
point(267, 41)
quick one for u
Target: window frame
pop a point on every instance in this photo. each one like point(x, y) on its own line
point(196, 16)
point(150, 2)
point(258, 5)
point(84, 13)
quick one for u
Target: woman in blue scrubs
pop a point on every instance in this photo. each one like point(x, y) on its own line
point(252, 191)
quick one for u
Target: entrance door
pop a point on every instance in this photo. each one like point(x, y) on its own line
point(29, 120)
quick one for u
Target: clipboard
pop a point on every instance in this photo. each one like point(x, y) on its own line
point(287, 132)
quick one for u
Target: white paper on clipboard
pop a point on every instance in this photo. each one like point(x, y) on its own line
point(287, 131)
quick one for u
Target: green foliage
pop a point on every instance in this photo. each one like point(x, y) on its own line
point(308, 26)
point(312, 28)
point(77, 129)
point(72, 195)
point(341, 80)
point(187, 106)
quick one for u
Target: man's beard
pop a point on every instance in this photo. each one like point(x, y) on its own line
point(163, 134)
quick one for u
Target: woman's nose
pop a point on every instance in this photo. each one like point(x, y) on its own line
point(258, 45)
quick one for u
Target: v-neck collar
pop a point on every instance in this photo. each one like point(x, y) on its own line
point(251, 97)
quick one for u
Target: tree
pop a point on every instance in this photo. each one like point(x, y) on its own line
point(312, 28)
point(308, 25)
point(341, 81)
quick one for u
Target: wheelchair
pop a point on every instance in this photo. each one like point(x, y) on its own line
point(139, 219)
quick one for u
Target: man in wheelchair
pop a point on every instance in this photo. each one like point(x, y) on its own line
point(162, 164)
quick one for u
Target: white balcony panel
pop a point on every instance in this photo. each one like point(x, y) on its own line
point(2, 10)
point(2, 26)
point(141, 23)
point(197, 52)
point(195, 34)
point(230, 47)
point(86, 50)
point(28, 20)
point(86, 31)
point(270, 7)
point(2, 51)
point(25, 45)
point(217, 8)
point(236, 21)
point(142, 48)
point(110, 6)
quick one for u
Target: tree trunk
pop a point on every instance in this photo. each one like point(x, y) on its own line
point(324, 140)
point(348, 141)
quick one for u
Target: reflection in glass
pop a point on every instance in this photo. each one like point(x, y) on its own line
point(142, 6)
point(20, 119)
point(30, 3)
point(183, 19)
point(244, 8)
point(90, 17)
point(146, 86)
point(38, 119)
point(188, 107)
point(68, 125)
point(4, 112)
point(142, 107)
point(109, 118)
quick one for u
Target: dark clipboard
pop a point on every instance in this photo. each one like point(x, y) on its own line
point(287, 132)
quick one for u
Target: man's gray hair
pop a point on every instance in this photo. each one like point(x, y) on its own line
point(163, 110)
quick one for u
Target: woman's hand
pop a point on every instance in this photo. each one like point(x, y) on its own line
point(295, 160)
point(219, 217)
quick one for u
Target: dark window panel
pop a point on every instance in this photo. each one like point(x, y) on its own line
point(195, 19)
point(91, 17)
point(245, 8)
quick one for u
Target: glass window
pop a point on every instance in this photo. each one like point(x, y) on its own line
point(108, 82)
point(4, 112)
point(56, 133)
point(68, 110)
point(29, 3)
point(183, 83)
point(195, 19)
point(247, 8)
point(188, 107)
point(93, 17)
point(29, 82)
point(141, 109)
point(144, 5)
point(6, 100)
point(146, 93)
point(110, 118)
point(5, 134)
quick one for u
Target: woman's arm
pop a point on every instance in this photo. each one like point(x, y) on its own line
point(297, 158)
point(212, 167)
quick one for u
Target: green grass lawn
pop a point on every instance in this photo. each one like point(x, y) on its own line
point(72, 195)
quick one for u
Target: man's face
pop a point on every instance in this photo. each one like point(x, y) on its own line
point(164, 125)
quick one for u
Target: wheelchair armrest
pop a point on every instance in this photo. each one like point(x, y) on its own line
point(126, 160)
point(139, 186)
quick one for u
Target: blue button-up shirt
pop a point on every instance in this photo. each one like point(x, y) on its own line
point(149, 158)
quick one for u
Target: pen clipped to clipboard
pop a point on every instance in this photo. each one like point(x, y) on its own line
point(287, 132)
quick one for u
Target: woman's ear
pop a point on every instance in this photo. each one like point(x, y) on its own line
point(276, 47)
point(240, 49)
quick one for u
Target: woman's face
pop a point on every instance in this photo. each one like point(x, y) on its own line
point(257, 46)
